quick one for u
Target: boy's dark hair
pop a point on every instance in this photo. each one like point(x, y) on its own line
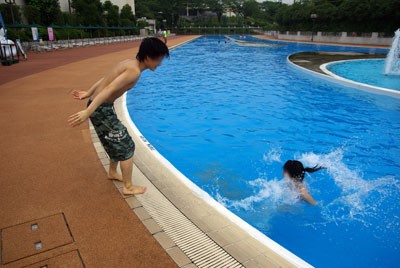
point(153, 48)
point(297, 171)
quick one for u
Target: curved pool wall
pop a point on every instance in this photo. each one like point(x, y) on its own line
point(147, 155)
point(146, 111)
point(366, 71)
point(333, 78)
point(326, 68)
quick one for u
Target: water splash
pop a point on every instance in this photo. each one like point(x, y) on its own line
point(392, 65)
point(360, 199)
point(357, 198)
point(274, 155)
point(267, 192)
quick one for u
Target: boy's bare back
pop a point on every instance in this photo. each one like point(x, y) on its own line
point(120, 79)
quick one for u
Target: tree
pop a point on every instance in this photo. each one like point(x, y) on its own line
point(146, 9)
point(89, 12)
point(170, 10)
point(112, 13)
point(50, 11)
point(251, 8)
point(216, 6)
point(32, 14)
point(127, 17)
point(269, 10)
point(5, 10)
point(69, 19)
point(333, 15)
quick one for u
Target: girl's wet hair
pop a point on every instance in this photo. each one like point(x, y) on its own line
point(153, 48)
point(296, 170)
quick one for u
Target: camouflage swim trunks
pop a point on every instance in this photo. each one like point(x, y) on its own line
point(112, 133)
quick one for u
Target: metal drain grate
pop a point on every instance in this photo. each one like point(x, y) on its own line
point(197, 246)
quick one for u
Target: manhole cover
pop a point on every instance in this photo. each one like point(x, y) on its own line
point(30, 238)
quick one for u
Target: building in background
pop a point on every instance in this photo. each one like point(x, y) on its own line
point(65, 5)
point(288, 2)
point(17, 2)
point(228, 12)
point(121, 3)
point(151, 28)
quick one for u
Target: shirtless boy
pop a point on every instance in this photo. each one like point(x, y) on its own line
point(112, 133)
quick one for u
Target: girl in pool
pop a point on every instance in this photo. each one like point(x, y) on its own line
point(295, 171)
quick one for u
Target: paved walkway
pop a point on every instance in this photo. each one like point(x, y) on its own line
point(51, 175)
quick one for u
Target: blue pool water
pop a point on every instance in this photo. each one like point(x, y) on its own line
point(367, 72)
point(229, 116)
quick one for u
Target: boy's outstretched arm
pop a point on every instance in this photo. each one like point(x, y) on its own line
point(124, 79)
point(81, 94)
point(306, 196)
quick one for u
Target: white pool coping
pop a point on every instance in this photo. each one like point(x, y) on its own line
point(151, 153)
point(331, 77)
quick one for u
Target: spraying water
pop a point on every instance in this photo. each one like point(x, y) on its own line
point(392, 65)
point(356, 199)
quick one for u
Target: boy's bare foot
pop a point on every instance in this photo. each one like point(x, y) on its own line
point(115, 176)
point(134, 190)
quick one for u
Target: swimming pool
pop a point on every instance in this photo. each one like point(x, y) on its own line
point(228, 116)
point(366, 71)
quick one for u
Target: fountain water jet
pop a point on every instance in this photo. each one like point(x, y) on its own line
point(392, 65)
